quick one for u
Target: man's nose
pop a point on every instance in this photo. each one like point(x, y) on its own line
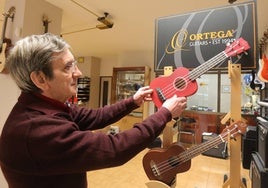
point(77, 72)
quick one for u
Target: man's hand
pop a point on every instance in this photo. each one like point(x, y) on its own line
point(143, 94)
point(175, 105)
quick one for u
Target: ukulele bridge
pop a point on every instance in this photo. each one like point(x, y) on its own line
point(160, 95)
point(154, 169)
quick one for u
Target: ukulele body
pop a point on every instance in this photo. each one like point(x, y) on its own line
point(163, 164)
point(179, 83)
point(165, 160)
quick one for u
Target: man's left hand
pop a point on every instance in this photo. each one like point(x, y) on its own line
point(143, 94)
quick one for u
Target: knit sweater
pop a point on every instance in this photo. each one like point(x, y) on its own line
point(47, 144)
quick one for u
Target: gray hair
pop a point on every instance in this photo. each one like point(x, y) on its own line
point(33, 53)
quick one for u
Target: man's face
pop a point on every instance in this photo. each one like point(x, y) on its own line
point(63, 85)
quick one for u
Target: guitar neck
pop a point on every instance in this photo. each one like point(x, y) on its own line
point(9, 14)
point(198, 149)
point(204, 67)
point(3, 34)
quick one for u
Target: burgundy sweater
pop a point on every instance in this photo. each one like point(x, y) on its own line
point(47, 144)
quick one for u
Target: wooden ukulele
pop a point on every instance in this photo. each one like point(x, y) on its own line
point(5, 43)
point(46, 21)
point(163, 164)
point(182, 82)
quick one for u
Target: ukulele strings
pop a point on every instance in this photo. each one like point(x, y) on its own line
point(169, 164)
point(195, 73)
point(183, 157)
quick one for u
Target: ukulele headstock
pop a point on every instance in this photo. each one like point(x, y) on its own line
point(237, 47)
point(236, 128)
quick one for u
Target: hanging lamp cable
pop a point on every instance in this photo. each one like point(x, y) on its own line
point(85, 8)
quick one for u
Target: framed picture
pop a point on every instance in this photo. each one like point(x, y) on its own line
point(105, 90)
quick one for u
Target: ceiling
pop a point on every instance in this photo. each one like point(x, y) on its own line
point(134, 23)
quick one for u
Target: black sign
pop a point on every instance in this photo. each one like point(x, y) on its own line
point(191, 39)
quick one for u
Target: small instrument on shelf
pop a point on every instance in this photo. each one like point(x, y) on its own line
point(182, 82)
point(263, 61)
point(263, 68)
point(5, 43)
point(163, 164)
point(256, 83)
point(46, 21)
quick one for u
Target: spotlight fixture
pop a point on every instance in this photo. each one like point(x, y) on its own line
point(105, 21)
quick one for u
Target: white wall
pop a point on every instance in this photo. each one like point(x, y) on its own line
point(107, 64)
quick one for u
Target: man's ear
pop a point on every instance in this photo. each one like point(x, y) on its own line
point(39, 79)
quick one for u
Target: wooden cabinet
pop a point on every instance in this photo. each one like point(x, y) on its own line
point(83, 90)
point(205, 122)
point(211, 121)
point(126, 81)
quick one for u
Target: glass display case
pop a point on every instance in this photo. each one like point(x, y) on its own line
point(128, 81)
point(125, 82)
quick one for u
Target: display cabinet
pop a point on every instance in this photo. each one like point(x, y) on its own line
point(83, 89)
point(125, 82)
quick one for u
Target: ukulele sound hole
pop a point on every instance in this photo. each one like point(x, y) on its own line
point(180, 83)
point(173, 161)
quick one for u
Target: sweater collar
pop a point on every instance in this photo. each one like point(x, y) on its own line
point(41, 101)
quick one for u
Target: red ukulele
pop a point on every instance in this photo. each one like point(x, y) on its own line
point(263, 61)
point(163, 164)
point(263, 68)
point(182, 82)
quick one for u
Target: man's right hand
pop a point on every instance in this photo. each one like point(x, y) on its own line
point(175, 105)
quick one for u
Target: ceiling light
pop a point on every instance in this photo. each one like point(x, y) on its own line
point(106, 23)
point(105, 20)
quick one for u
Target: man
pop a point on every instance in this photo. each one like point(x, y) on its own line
point(48, 143)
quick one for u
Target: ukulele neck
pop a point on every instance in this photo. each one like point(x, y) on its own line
point(198, 149)
point(203, 68)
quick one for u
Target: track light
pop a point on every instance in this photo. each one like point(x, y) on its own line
point(105, 21)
